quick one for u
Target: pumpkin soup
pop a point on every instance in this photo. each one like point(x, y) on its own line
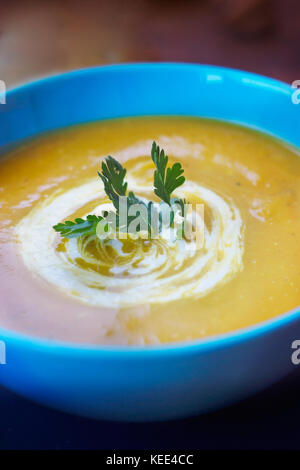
point(141, 290)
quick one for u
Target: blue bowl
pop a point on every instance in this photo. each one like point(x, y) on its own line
point(176, 380)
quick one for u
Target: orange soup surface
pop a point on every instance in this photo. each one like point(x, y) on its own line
point(145, 292)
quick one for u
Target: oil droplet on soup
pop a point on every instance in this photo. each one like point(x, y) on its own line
point(149, 291)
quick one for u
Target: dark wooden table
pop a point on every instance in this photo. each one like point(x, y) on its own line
point(269, 420)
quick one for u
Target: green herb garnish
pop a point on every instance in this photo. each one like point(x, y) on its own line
point(113, 175)
point(79, 227)
point(166, 180)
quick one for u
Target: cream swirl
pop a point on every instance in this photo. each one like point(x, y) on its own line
point(124, 273)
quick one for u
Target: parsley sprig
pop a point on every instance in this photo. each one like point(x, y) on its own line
point(113, 176)
point(79, 227)
point(166, 180)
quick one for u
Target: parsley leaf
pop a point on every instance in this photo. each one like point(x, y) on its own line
point(80, 227)
point(166, 180)
point(113, 175)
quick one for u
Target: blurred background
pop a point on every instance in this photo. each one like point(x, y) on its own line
point(39, 38)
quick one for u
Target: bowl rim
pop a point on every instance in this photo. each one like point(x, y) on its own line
point(218, 341)
point(262, 79)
